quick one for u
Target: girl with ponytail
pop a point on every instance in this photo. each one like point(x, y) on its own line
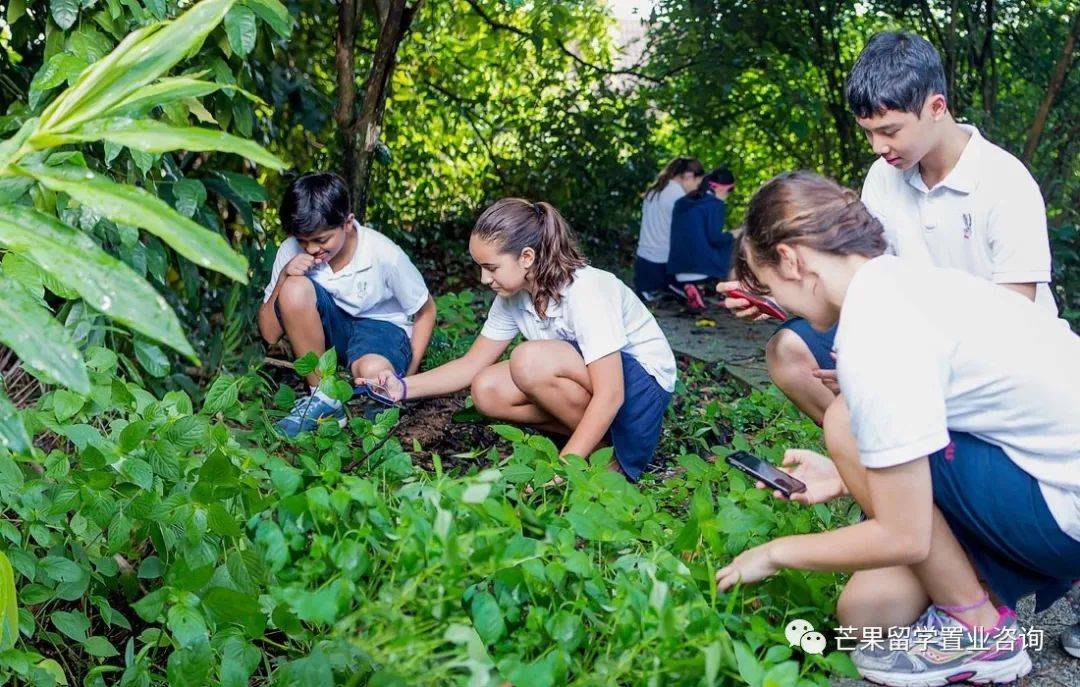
point(594, 362)
point(681, 176)
point(956, 431)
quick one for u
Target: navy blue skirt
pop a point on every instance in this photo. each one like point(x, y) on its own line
point(998, 514)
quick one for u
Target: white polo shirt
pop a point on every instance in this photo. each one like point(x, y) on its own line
point(597, 311)
point(983, 360)
point(654, 244)
point(986, 217)
point(380, 282)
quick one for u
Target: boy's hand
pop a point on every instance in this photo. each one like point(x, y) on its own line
point(301, 265)
point(818, 473)
point(739, 307)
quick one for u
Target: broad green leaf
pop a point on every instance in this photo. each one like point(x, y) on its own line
point(66, 404)
point(239, 659)
point(229, 606)
point(38, 339)
point(221, 395)
point(186, 625)
point(89, 44)
point(273, 13)
point(64, 12)
point(142, 57)
point(9, 609)
point(100, 647)
point(15, 10)
point(13, 435)
point(188, 195)
point(241, 30)
point(165, 90)
point(487, 617)
point(190, 666)
point(152, 136)
point(152, 358)
point(59, 69)
point(105, 283)
point(73, 624)
point(61, 569)
point(135, 206)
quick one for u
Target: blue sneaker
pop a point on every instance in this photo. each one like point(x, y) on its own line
point(307, 412)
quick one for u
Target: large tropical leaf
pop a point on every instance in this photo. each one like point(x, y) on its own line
point(162, 91)
point(38, 338)
point(9, 609)
point(140, 59)
point(135, 206)
point(157, 137)
point(13, 435)
point(105, 283)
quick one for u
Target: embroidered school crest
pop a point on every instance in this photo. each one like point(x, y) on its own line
point(968, 224)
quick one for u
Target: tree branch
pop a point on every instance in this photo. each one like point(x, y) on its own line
point(501, 26)
point(1052, 89)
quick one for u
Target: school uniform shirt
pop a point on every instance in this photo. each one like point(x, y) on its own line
point(655, 240)
point(598, 312)
point(699, 244)
point(986, 217)
point(982, 360)
point(380, 282)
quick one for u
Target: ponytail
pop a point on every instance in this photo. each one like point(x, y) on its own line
point(676, 167)
point(516, 224)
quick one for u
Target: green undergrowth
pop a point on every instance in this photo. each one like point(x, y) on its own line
point(155, 540)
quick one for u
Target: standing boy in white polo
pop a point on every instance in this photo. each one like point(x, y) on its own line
point(943, 193)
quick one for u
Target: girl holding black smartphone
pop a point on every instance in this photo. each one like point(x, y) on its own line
point(956, 431)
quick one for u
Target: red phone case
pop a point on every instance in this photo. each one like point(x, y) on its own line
point(763, 304)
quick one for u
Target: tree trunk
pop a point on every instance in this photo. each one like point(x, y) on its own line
point(359, 126)
point(1052, 89)
point(349, 17)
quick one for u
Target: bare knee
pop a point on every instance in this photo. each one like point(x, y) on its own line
point(485, 390)
point(788, 358)
point(370, 366)
point(886, 597)
point(530, 368)
point(297, 293)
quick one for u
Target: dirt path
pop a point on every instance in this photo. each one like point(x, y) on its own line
point(716, 336)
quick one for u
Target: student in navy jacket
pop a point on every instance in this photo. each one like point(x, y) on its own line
point(700, 248)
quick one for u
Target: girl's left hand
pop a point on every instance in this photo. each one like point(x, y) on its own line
point(752, 565)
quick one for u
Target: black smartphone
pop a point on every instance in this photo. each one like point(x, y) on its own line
point(766, 472)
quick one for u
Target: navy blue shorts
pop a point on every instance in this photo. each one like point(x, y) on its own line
point(819, 343)
point(649, 276)
point(635, 431)
point(998, 514)
point(354, 337)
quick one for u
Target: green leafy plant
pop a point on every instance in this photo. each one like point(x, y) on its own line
point(106, 103)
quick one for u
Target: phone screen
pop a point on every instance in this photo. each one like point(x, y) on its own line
point(766, 472)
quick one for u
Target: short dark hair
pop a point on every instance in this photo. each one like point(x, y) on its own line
point(314, 202)
point(720, 175)
point(897, 70)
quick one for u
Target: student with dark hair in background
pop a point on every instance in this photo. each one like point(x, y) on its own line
point(700, 248)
